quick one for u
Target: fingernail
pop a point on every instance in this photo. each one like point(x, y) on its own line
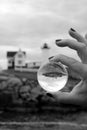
point(50, 95)
point(51, 57)
point(58, 40)
point(73, 30)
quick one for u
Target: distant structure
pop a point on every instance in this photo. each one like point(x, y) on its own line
point(45, 46)
point(20, 59)
point(17, 61)
point(45, 52)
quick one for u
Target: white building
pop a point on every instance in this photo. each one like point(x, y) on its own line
point(10, 59)
point(45, 52)
point(20, 59)
point(16, 59)
point(34, 64)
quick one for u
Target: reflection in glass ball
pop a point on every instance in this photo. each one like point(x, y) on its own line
point(52, 76)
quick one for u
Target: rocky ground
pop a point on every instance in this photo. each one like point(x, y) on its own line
point(41, 112)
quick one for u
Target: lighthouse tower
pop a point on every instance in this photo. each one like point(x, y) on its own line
point(45, 52)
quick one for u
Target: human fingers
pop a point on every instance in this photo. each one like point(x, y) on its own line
point(77, 36)
point(78, 46)
point(86, 36)
point(73, 64)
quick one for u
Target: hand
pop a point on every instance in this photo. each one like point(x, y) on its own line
point(78, 95)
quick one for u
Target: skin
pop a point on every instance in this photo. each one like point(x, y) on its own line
point(78, 96)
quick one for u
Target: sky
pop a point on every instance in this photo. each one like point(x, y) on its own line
point(27, 24)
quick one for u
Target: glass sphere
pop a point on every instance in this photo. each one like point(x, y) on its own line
point(52, 76)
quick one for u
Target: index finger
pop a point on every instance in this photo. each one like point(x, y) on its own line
point(71, 44)
point(73, 33)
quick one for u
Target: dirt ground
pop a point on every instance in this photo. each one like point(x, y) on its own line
point(60, 118)
point(58, 126)
point(75, 119)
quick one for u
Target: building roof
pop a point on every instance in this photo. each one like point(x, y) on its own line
point(45, 46)
point(12, 54)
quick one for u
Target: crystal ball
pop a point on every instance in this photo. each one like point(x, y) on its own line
point(52, 76)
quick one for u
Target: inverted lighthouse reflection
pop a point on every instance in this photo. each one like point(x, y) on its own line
point(52, 76)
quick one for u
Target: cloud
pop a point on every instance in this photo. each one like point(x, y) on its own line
point(28, 24)
point(31, 22)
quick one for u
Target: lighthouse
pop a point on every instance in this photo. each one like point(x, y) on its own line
point(45, 52)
